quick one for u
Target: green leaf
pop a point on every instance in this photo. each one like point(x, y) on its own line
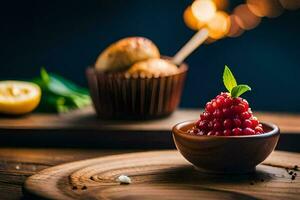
point(60, 94)
point(228, 79)
point(61, 87)
point(44, 75)
point(69, 84)
point(239, 90)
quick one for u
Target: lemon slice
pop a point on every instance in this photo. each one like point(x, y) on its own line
point(18, 97)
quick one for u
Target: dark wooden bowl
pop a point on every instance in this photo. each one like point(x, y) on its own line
point(225, 154)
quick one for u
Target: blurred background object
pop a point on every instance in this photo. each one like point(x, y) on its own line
point(265, 8)
point(66, 36)
point(245, 18)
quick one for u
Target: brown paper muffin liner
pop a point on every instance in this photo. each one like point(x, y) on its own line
point(123, 96)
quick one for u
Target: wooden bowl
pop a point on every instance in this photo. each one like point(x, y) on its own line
point(225, 154)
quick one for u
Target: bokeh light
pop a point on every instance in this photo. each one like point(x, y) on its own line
point(290, 4)
point(209, 40)
point(219, 25)
point(190, 20)
point(203, 10)
point(221, 4)
point(245, 18)
point(235, 29)
point(265, 8)
point(210, 14)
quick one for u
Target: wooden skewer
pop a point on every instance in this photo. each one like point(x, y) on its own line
point(190, 46)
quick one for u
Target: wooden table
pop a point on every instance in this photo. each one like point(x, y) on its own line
point(83, 129)
point(34, 142)
point(18, 164)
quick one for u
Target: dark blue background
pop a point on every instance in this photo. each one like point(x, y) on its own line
point(67, 36)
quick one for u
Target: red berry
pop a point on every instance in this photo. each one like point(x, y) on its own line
point(237, 131)
point(215, 120)
point(205, 116)
point(220, 101)
point(202, 116)
point(237, 122)
point(214, 104)
point(258, 130)
point(247, 124)
point(254, 122)
point(225, 94)
point(227, 112)
point(211, 133)
point(237, 100)
point(217, 126)
point(218, 113)
point(218, 133)
point(209, 107)
point(245, 103)
point(203, 125)
point(260, 125)
point(248, 131)
point(245, 115)
point(197, 122)
point(228, 123)
point(240, 108)
point(225, 115)
point(227, 132)
point(243, 106)
point(210, 125)
point(228, 102)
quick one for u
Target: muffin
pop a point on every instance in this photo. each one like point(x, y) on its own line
point(130, 80)
point(153, 67)
point(122, 54)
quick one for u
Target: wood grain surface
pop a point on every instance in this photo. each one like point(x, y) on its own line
point(82, 128)
point(16, 164)
point(163, 175)
point(86, 119)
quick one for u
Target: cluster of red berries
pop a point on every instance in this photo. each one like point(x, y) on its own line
point(227, 116)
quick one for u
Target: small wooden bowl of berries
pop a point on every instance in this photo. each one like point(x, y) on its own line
point(227, 138)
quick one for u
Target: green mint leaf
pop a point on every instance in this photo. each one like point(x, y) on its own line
point(228, 79)
point(239, 90)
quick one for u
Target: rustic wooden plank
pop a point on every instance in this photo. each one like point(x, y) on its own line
point(11, 188)
point(163, 175)
point(50, 156)
point(82, 128)
point(16, 164)
point(86, 119)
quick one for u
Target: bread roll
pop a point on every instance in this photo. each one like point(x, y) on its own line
point(153, 67)
point(122, 54)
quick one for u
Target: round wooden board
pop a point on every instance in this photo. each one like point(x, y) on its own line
point(162, 175)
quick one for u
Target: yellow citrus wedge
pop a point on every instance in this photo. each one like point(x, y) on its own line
point(18, 97)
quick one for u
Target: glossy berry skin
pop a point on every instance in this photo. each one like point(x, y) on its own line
point(227, 116)
point(228, 123)
point(227, 132)
point(237, 122)
point(247, 123)
point(237, 131)
point(248, 131)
